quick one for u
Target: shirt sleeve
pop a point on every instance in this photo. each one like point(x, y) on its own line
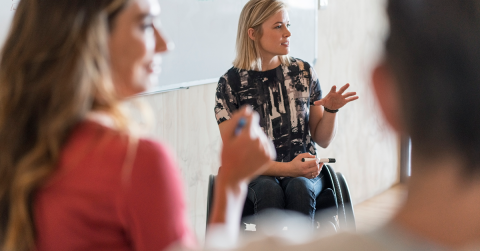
point(225, 101)
point(315, 90)
point(155, 211)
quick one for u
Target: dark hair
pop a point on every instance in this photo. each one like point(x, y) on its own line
point(434, 52)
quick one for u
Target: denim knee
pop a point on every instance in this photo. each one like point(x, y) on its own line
point(265, 192)
point(300, 187)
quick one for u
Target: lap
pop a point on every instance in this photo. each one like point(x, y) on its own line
point(264, 184)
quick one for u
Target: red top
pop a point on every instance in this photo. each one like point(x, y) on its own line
point(98, 200)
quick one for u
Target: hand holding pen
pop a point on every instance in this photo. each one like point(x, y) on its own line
point(248, 149)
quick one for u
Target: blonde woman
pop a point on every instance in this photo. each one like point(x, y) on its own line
point(285, 91)
point(72, 176)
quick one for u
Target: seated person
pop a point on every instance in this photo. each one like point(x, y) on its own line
point(285, 91)
point(428, 87)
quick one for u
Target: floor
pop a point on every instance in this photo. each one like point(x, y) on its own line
point(379, 209)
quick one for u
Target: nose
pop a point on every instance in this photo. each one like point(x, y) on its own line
point(160, 43)
point(287, 32)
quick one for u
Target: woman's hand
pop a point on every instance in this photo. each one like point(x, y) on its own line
point(244, 155)
point(307, 169)
point(336, 100)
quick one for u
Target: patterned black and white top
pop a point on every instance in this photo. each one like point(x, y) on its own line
point(282, 97)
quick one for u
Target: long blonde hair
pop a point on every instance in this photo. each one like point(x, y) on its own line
point(253, 15)
point(54, 69)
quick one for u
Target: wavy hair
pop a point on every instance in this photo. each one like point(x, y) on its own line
point(54, 69)
point(253, 15)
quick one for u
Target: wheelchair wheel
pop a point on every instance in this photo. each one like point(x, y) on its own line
point(211, 187)
point(346, 219)
point(349, 214)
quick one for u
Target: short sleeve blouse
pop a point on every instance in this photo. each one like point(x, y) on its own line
point(282, 97)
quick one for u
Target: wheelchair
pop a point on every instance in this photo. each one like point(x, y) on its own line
point(335, 195)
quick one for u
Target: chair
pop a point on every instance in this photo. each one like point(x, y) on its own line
point(335, 195)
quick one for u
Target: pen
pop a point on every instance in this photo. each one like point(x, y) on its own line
point(323, 160)
point(240, 125)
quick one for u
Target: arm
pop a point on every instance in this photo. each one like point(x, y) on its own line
point(243, 157)
point(323, 125)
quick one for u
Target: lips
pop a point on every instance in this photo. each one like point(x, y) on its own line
point(286, 43)
point(154, 66)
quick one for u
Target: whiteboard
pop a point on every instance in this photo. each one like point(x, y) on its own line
point(204, 34)
point(7, 9)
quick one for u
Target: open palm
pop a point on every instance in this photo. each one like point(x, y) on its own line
point(337, 99)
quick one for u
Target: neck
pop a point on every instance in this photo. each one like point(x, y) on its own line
point(442, 204)
point(270, 62)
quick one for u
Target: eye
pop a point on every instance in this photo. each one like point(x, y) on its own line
point(278, 26)
point(288, 25)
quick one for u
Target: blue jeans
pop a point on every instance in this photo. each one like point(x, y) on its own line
point(296, 194)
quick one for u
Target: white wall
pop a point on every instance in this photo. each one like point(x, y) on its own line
point(350, 37)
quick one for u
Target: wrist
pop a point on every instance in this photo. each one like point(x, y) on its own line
point(230, 183)
point(330, 110)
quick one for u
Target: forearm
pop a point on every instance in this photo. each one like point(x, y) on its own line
point(325, 130)
point(227, 210)
point(281, 169)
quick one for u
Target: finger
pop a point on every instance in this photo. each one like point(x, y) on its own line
point(334, 89)
point(319, 102)
point(343, 88)
point(351, 99)
point(312, 169)
point(348, 94)
point(312, 166)
point(305, 155)
point(320, 165)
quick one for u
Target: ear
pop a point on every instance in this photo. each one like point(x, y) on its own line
point(251, 33)
point(387, 96)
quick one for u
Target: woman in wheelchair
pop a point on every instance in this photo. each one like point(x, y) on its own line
point(286, 92)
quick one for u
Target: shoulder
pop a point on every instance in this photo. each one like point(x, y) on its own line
point(118, 147)
point(301, 64)
point(232, 73)
point(153, 157)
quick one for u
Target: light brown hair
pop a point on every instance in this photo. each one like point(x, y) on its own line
point(253, 15)
point(54, 69)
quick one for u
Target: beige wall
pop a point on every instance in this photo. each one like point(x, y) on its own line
point(350, 34)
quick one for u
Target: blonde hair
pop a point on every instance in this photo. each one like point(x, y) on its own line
point(253, 15)
point(54, 69)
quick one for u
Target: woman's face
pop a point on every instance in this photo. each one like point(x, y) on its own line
point(133, 43)
point(276, 35)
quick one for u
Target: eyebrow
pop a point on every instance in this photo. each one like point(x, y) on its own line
point(280, 22)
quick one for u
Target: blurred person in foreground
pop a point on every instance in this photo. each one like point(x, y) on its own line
point(72, 174)
point(428, 87)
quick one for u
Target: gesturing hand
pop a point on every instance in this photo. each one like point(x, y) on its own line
point(245, 153)
point(336, 100)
